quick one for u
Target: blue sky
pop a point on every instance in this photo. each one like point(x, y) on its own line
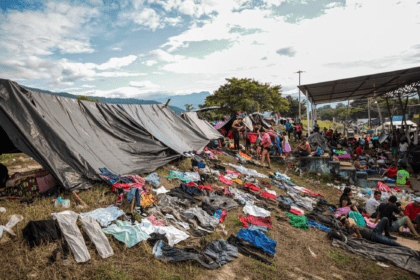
point(137, 48)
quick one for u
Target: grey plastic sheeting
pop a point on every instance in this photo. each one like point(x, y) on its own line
point(166, 126)
point(202, 125)
point(402, 257)
point(317, 138)
point(73, 139)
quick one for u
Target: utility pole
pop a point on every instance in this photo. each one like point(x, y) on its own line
point(299, 72)
point(369, 113)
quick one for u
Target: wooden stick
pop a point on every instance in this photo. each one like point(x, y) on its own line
point(132, 204)
point(79, 199)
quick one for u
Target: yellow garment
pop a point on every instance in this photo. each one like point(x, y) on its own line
point(146, 199)
point(237, 181)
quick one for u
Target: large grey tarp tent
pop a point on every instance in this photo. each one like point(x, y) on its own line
point(201, 125)
point(73, 139)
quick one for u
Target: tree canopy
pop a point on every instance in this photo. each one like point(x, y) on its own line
point(189, 107)
point(82, 97)
point(293, 109)
point(247, 95)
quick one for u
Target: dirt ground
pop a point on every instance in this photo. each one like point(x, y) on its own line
point(292, 260)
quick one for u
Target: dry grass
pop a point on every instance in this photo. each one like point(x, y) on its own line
point(292, 259)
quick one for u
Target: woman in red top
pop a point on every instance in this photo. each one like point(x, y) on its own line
point(359, 151)
point(391, 172)
point(299, 130)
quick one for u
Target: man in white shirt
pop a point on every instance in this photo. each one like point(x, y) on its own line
point(372, 204)
point(403, 149)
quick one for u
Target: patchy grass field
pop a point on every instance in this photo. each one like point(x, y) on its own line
point(292, 259)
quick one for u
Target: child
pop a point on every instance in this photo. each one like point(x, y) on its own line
point(317, 152)
point(403, 175)
point(285, 145)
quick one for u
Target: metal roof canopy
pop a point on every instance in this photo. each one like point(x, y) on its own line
point(360, 87)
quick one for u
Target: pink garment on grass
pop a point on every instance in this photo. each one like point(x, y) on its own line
point(155, 222)
point(136, 179)
point(233, 172)
point(224, 180)
point(252, 187)
point(244, 221)
point(127, 187)
point(227, 191)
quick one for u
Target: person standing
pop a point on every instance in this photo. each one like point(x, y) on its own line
point(316, 126)
point(403, 149)
point(286, 146)
point(288, 127)
point(236, 127)
point(266, 147)
point(299, 130)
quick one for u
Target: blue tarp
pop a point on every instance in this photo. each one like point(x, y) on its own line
point(258, 239)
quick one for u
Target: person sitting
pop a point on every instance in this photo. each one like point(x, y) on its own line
point(374, 165)
point(359, 151)
point(374, 235)
point(345, 199)
point(324, 132)
point(304, 149)
point(359, 165)
point(403, 175)
point(372, 204)
point(391, 172)
point(412, 211)
point(317, 152)
point(388, 209)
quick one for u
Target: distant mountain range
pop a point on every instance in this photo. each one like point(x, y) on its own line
point(180, 100)
point(121, 100)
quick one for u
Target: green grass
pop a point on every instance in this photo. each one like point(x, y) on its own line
point(109, 273)
point(6, 157)
point(339, 258)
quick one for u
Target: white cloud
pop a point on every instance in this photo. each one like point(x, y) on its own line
point(116, 49)
point(165, 56)
point(150, 62)
point(158, 73)
point(119, 74)
point(117, 62)
point(146, 17)
point(88, 86)
point(144, 84)
point(59, 27)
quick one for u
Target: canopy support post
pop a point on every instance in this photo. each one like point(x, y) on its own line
point(307, 112)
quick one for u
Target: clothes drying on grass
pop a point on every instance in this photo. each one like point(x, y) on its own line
point(220, 214)
point(297, 221)
point(252, 187)
point(260, 221)
point(128, 186)
point(248, 249)
point(105, 216)
point(304, 190)
point(220, 202)
point(268, 195)
point(37, 231)
point(258, 228)
point(202, 187)
point(296, 210)
point(258, 239)
point(125, 232)
point(225, 180)
point(317, 225)
point(255, 211)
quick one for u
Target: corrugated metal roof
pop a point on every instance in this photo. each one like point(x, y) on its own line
point(360, 87)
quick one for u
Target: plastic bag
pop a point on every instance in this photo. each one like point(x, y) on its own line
point(153, 179)
point(10, 224)
point(62, 202)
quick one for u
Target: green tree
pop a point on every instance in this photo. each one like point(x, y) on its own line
point(189, 107)
point(247, 95)
point(86, 98)
point(293, 110)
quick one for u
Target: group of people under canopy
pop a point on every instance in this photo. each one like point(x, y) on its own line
point(384, 218)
